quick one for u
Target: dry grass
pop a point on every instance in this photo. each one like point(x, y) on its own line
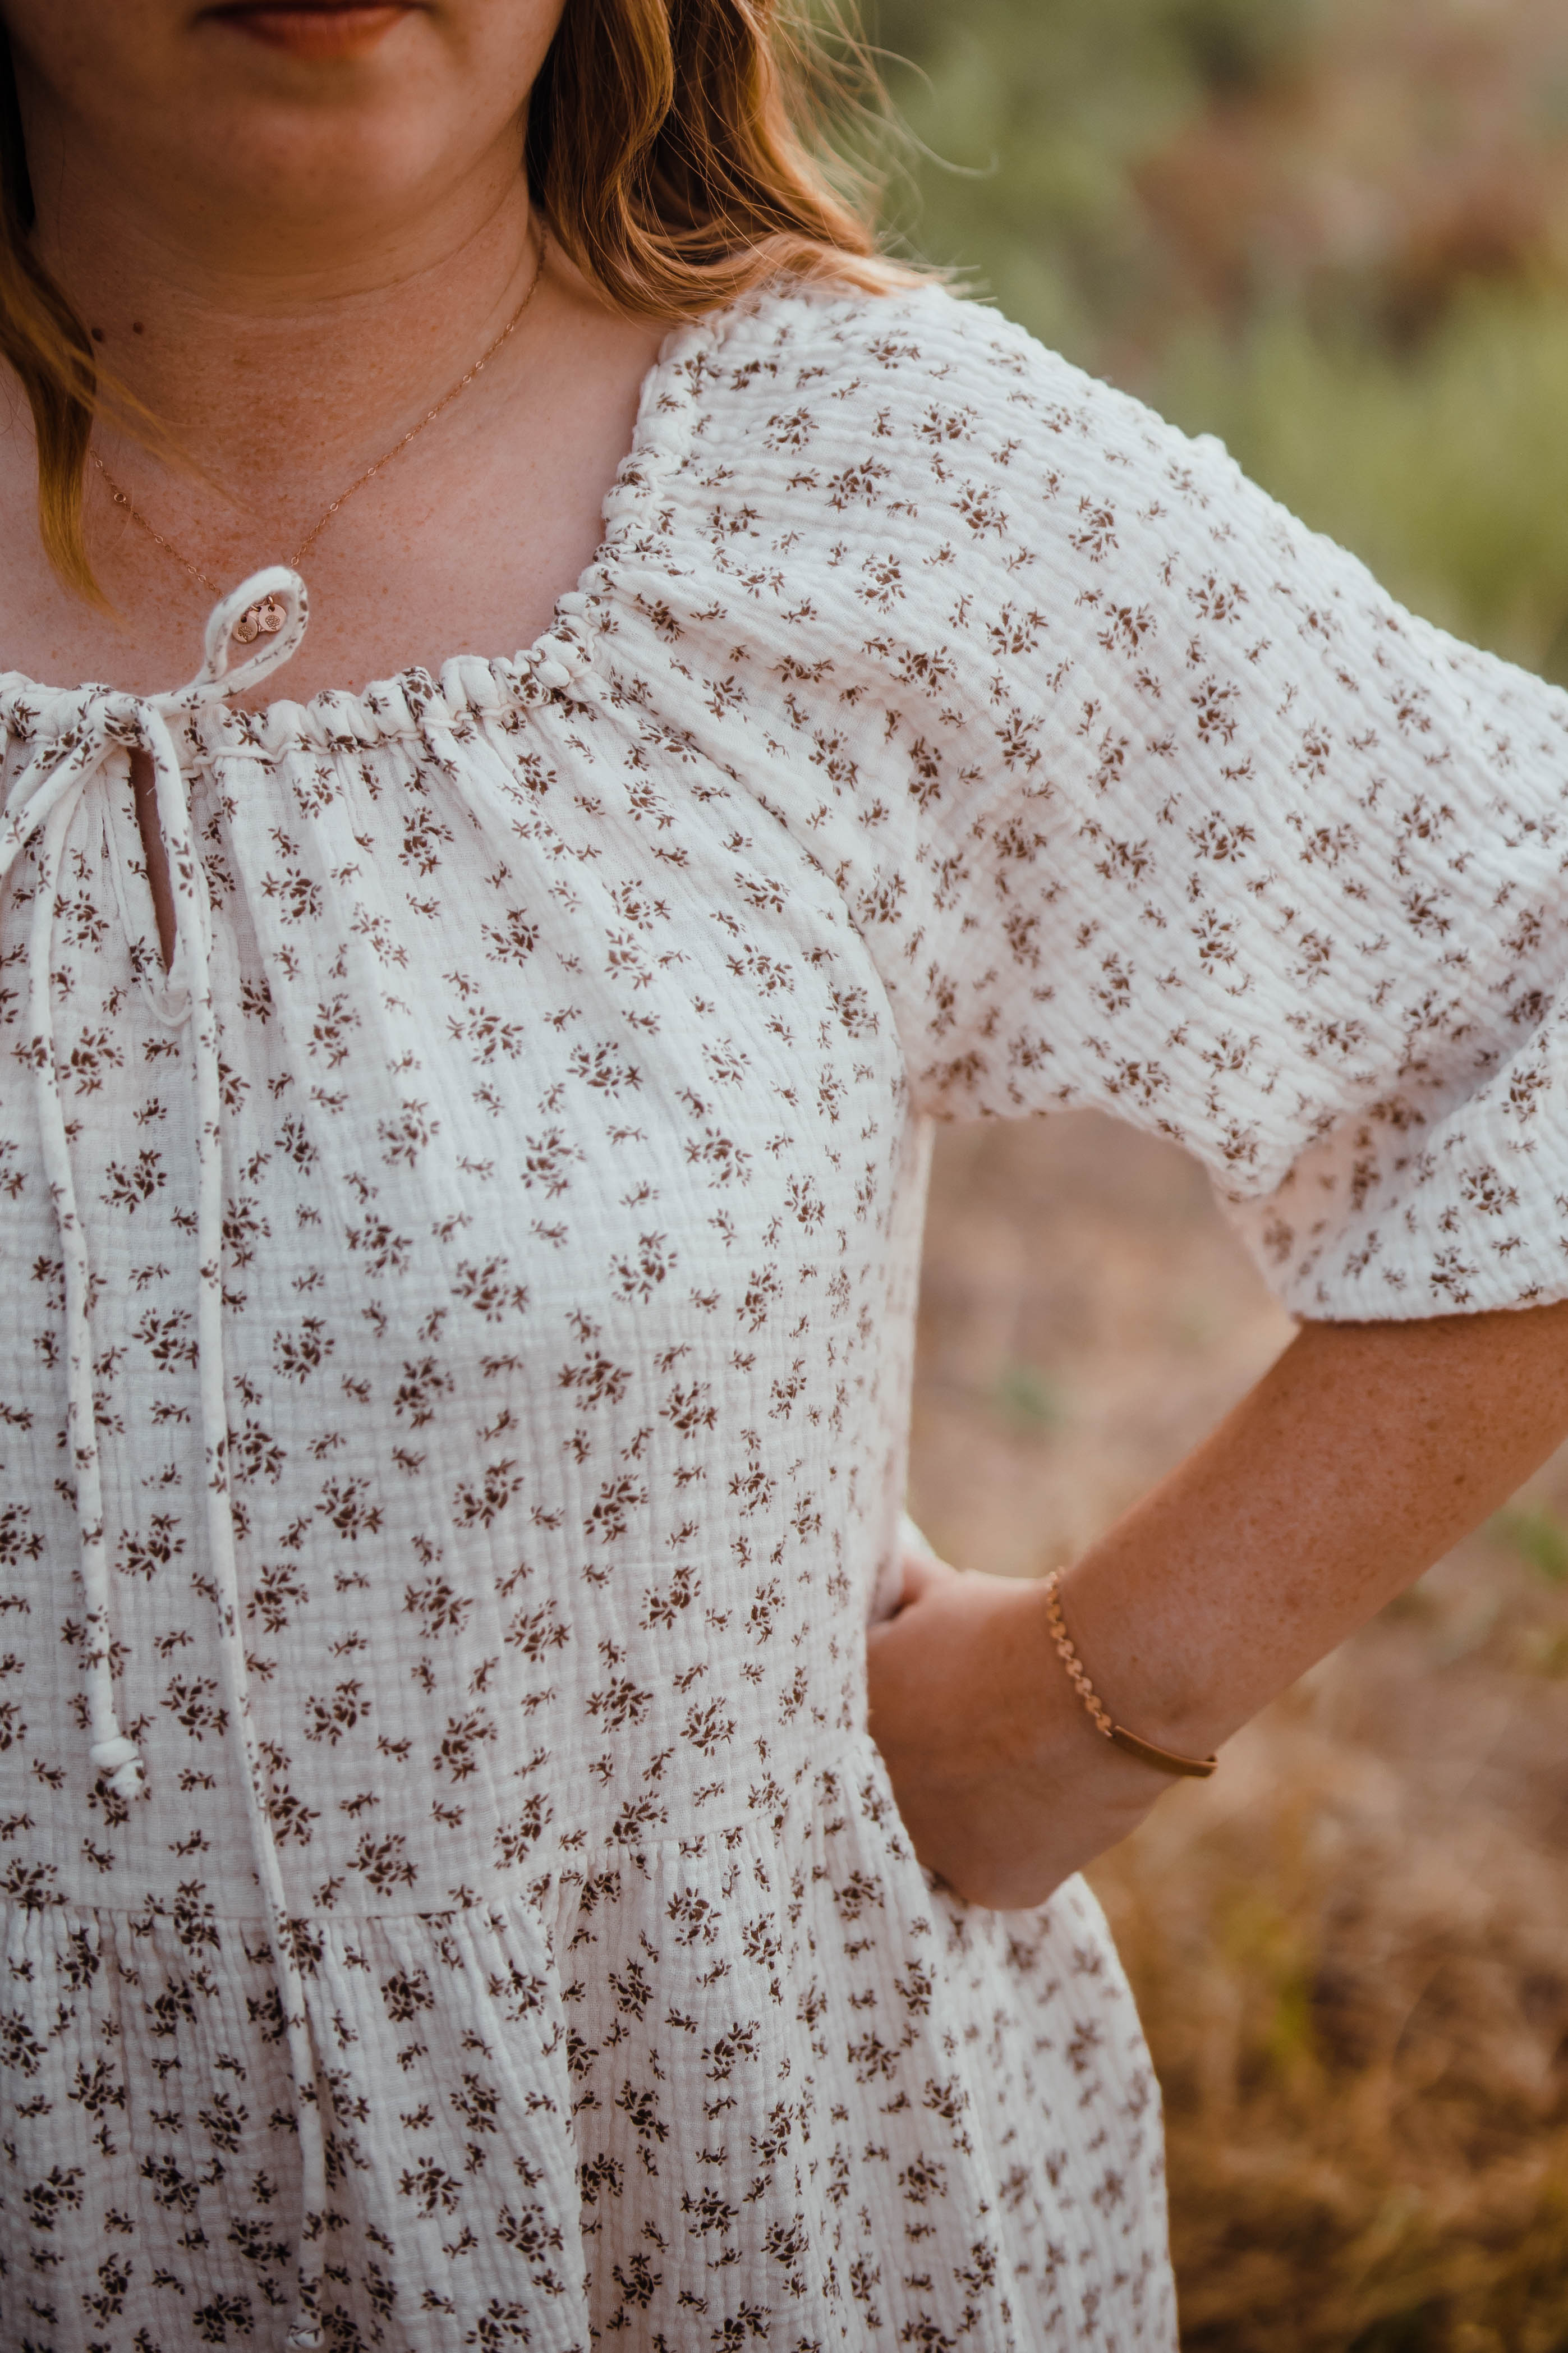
point(1351, 1948)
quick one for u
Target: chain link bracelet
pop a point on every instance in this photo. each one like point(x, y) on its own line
point(1164, 1760)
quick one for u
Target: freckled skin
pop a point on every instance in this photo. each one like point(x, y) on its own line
point(1360, 1458)
point(288, 267)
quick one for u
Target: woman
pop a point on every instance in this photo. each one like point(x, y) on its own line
point(463, 1148)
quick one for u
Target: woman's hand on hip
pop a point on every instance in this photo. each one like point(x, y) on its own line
point(1361, 1457)
point(1004, 1784)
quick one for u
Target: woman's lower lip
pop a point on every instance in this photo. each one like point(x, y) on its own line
point(319, 33)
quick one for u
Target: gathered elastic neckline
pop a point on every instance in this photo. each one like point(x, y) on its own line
point(467, 686)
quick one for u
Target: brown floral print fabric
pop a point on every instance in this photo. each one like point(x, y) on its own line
point(512, 1940)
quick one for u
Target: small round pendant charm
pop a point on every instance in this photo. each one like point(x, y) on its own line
point(263, 620)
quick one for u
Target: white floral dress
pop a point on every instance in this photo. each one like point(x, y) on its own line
point(454, 1387)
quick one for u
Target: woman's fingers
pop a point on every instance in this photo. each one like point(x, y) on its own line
point(923, 1573)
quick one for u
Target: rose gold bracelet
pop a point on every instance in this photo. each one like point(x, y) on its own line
point(1164, 1760)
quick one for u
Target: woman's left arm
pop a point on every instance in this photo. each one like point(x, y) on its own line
point(1360, 1458)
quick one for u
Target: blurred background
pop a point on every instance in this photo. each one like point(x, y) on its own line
point(1335, 232)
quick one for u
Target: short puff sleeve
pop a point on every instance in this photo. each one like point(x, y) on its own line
point(1194, 823)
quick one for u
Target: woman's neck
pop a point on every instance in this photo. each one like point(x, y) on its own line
point(285, 270)
point(277, 364)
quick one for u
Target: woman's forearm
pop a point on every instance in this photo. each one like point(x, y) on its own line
point(1361, 1457)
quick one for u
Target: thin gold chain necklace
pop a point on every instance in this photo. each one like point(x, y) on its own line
point(266, 618)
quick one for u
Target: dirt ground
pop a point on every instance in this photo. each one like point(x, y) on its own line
point(1352, 1947)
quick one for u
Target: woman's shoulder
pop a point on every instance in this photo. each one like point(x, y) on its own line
point(837, 417)
point(809, 366)
point(799, 333)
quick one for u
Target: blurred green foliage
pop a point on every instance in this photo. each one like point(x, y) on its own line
point(1030, 119)
point(1537, 1535)
point(1422, 427)
point(1027, 1401)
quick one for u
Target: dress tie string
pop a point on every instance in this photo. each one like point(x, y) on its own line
point(45, 799)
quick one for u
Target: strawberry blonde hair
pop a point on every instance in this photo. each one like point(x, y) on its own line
point(672, 148)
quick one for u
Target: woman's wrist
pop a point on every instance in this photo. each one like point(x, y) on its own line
point(1176, 1764)
point(1154, 1689)
point(1057, 1732)
point(1004, 1785)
